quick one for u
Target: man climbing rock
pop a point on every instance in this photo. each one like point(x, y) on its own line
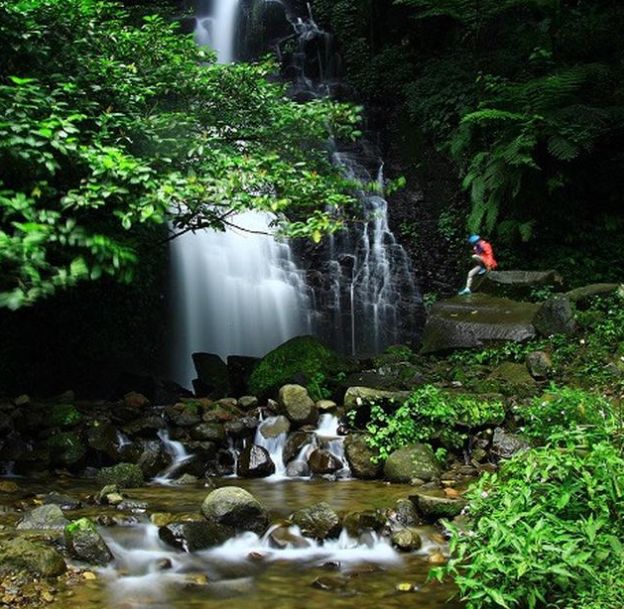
point(483, 255)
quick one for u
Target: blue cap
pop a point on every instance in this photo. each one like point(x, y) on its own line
point(474, 239)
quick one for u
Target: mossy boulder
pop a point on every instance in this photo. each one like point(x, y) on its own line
point(297, 360)
point(195, 536)
point(124, 475)
point(434, 508)
point(64, 415)
point(358, 396)
point(556, 316)
point(513, 375)
point(361, 457)
point(85, 543)
point(44, 517)
point(66, 449)
point(297, 405)
point(36, 558)
point(235, 507)
point(406, 540)
point(318, 521)
point(415, 461)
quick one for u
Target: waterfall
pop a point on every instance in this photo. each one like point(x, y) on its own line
point(178, 455)
point(237, 292)
point(274, 445)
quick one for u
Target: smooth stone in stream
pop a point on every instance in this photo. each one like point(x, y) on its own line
point(235, 507)
point(323, 462)
point(281, 425)
point(63, 501)
point(195, 536)
point(318, 521)
point(255, 462)
point(435, 508)
point(357, 523)
point(282, 537)
point(405, 513)
point(297, 469)
point(360, 457)
point(85, 543)
point(45, 517)
point(294, 443)
point(297, 405)
point(406, 540)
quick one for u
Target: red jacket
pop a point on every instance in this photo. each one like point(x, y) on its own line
point(484, 250)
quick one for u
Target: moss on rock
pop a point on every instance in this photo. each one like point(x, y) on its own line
point(299, 359)
point(124, 475)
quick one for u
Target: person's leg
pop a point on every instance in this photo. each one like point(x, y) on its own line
point(471, 275)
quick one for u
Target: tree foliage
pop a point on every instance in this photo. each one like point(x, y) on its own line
point(109, 127)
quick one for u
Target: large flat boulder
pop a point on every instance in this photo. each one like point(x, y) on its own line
point(518, 284)
point(472, 321)
point(580, 296)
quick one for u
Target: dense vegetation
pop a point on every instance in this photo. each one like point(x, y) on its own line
point(111, 126)
point(523, 101)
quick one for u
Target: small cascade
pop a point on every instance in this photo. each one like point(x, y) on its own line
point(328, 437)
point(122, 440)
point(274, 445)
point(179, 456)
point(216, 27)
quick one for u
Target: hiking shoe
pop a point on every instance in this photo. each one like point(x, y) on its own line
point(482, 272)
point(464, 292)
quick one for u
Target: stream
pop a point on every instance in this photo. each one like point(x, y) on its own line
point(353, 573)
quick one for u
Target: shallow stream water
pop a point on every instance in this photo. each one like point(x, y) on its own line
point(246, 571)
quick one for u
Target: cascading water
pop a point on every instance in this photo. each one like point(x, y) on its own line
point(237, 292)
point(179, 456)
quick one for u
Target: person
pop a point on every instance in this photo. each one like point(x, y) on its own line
point(483, 255)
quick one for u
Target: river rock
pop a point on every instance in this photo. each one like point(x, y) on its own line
point(556, 316)
point(321, 462)
point(280, 425)
point(405, 513)
point(211, 432)
point(44, 517)
point(244, 427)
point(248, 402)
point(326, 406)
point(31, 556)
point(318, 521)
point(235, 507)
point(360, 457)
point(102, 437)
point(65, 502)
point(434, 508)
point(153, 459)
point(255, 462)
point(125, 475)
point(109, 495)
point(212, 374)
point(539, 364)
point(85, 543)
point(184, 414)
point(413, 461)
point(136, 401)
point(297, 469)
point(66, 449)
point(472, 321)
point(357, 523)
point(294, 443)
point(186, 480)
point(297, 405)
point(505, 444)
point(282, 537)
point(195, 536)
point(406, 540)
point(146, 426)
point(357, 396)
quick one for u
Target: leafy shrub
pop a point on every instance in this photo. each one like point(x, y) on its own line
point(429, 415)
point(561, 412)
point(542, 528)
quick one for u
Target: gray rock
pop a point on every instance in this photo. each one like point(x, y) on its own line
point(360, 457)
point(471, 321)
point(235, 507)
point(539, 364)
point(282, 538)
point(125, 475)
point(321, 462)
point(357, 523)
point(413, 461)
point(109, 495)
point(44, 517)
point(556, 316)
point(153, 458)
point(186, 480)
point(356, 396)
point(326, 406)
point(195, 536)
point(513, 375)
point(318, 521)
point(405, 513)
point(505, 445)
point(33, 557)
point(406, 540)
point(297, 469)
point(280, 425)
point(212, 375)
point(65, 502)
point(297, 405)
point(434, 508)
point(248, 402)
point(211, 432)
point(244, 427)
point(580, 296)
point(517, 284)
point(85, 543)
point(255, 462)
point(294, 443)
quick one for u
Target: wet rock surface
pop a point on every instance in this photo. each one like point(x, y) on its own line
point(85, 543)
point(235, 507)
point(318, 521)
point(255, 462)
point(410, 462)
